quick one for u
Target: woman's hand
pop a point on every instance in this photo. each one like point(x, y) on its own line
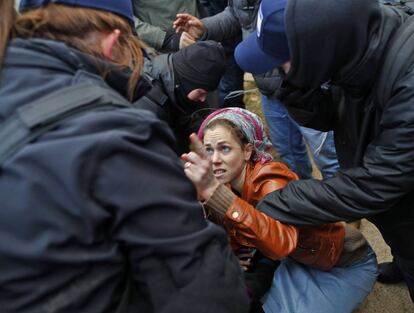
point(199, 170)
point(190, 24)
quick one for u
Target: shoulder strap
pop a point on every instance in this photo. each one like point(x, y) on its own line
point(398, 58)
point(155, 100)
point(34, 119)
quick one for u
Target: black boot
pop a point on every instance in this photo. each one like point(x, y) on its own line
point(389, 273)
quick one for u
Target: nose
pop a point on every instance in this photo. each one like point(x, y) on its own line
point(202, 98)
point(215, 157)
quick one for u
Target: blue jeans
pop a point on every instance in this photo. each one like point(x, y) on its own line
point(289, 138)
point(322, 147)
point(286, 137)
point(298, 288)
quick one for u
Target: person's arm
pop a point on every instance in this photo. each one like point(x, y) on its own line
point(252, 227)
point(222, 26)
point(178, 260)
point(384, 178)
point(219, 27)
point(154, 36)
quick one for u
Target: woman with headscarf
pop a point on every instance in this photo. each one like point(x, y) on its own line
point(326, 268)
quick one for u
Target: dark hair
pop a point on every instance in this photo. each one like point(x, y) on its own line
point(73, 25)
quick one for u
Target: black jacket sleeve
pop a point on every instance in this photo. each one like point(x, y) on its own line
point(384, 178)
point(179, 261)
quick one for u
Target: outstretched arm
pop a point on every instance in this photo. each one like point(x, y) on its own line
point(219, 27)
point(384, 178)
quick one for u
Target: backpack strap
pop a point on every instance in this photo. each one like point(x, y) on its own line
point(398, 58)
point(155, 100)
point(34, 119)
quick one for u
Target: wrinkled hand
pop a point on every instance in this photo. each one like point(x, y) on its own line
point(190, 24)
point(198, 169)
point(185, 40)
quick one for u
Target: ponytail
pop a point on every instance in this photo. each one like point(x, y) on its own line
point(7, 18)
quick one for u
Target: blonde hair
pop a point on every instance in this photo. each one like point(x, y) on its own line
point(74, 25)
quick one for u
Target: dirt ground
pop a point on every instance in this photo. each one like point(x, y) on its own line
point(383, 298)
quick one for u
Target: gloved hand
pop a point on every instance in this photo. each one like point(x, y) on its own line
point(309, 107)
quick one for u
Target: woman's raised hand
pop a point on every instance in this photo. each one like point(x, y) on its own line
point(198, 169)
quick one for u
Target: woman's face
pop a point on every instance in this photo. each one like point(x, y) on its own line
point(229, 159)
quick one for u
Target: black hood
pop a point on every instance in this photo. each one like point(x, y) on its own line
point(336, 40)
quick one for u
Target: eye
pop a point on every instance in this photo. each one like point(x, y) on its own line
point(225, 149)
point(209, 150)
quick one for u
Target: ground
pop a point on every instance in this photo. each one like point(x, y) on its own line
point(383, 298)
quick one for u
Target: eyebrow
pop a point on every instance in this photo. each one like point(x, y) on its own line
point(219, 143)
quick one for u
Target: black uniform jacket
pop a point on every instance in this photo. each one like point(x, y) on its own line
point(97, 214)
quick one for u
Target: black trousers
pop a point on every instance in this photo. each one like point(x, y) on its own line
point(407, 268)
point(258, 281)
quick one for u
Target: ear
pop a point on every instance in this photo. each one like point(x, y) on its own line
point(108, 42)
point(248, 151)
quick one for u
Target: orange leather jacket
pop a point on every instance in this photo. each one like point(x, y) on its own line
point(316, 246)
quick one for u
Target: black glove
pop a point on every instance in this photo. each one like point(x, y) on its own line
point(300, 98)
point(171, 41)
point(312, 108)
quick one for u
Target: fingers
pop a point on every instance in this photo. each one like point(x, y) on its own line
point(186, 40)
point(187, 23)
point(181, 19)
point(192, 157)
point(180, 29)
point(198, 146)
point(245, 264)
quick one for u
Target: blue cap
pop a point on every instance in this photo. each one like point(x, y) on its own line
point(267, 47)
point(119, 7)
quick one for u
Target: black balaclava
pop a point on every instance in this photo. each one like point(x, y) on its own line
point(200, 65)
point(327, 38)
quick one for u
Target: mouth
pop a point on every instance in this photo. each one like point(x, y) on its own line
point(219, 172)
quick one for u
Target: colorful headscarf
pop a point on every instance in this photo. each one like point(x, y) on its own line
point(250, 125)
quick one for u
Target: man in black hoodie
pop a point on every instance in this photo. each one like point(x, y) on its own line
point(341, 45)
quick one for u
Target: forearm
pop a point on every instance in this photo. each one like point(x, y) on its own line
point(221, 26)
point(252, 227)
point(152, 35)
point(355, 193)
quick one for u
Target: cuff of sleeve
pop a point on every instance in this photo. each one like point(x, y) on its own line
point(204, 36)
point(220, 201)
